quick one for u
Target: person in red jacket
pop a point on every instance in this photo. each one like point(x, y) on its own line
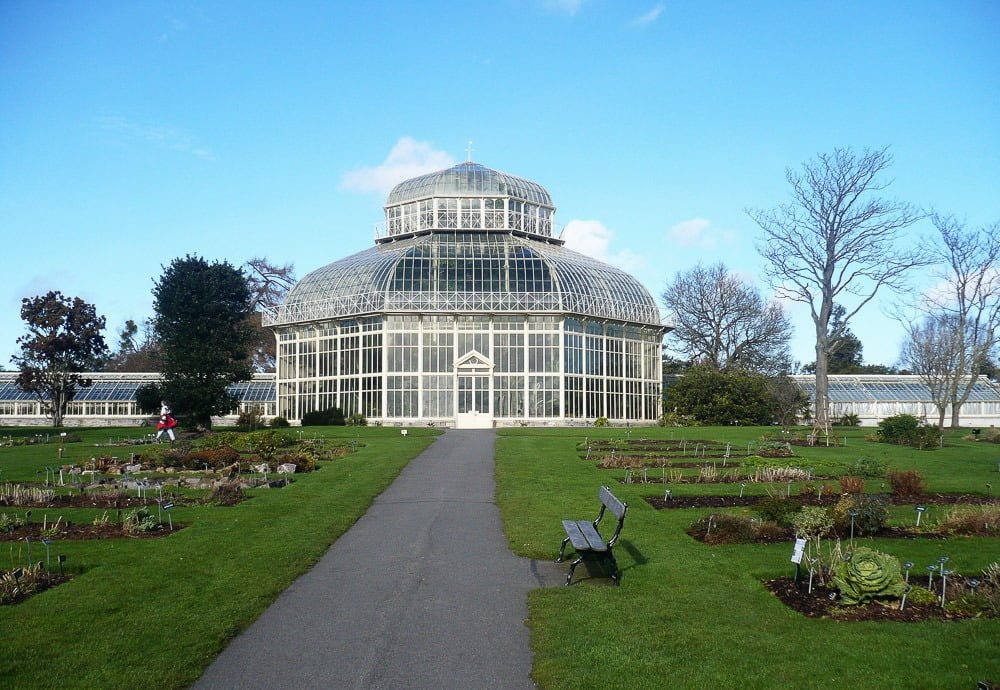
point(166, 423)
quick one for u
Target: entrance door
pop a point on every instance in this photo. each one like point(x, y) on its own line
point(473, 394)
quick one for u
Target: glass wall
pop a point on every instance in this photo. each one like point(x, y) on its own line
point(531, 368)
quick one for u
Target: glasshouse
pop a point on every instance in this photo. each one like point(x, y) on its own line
point(110, 400)
point(873, 398)
point(469, 311)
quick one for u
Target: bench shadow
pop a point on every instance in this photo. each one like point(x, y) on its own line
point(595, 570)
point(638, 558)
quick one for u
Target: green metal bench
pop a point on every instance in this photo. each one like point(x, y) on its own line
point(586, 538)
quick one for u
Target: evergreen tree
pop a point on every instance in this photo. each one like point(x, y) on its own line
point(201, 326)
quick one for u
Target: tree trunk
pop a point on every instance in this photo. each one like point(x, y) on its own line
point(941, 409)
point(821, 420)
point(956, 414)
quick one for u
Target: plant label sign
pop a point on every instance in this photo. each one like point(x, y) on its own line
point(800, 547)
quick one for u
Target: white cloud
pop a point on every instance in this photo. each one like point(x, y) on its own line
point(696, 232)
point(593, 238)
point(168, 136)
point(408, 158)
point(649, 17)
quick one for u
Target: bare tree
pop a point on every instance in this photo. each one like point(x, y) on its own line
point(136, 352)
point(969, 295)
point(931, 350)
point(836, 238)
point(722, 321)
point(269, 285)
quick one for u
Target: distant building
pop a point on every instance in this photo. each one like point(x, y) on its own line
point(873, 398)
point(470, 312)
point(110, 401)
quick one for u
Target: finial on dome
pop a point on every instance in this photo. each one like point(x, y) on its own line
point(468, 153)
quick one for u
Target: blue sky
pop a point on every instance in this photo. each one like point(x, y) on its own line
point(133, 133)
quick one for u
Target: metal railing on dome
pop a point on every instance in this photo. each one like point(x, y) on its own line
point(488, 220)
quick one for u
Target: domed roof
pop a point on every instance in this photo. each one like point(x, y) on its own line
point(472, 272)
point(466, 179)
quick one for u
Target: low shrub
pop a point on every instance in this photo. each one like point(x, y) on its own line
point(777, 509)
point(774, 449)
point(868, 468)
point(674, 419)
point(267, 442)
point(971, 520)
point(138, 521)
point(332, 416)
point(226, 494)
point(251, 419)
point(8, 523)
point(812, 522)
point(303, 461)
point(279, 423)
point(872, 514)
point(601, 421)
point(852, 485)
point(907, 430)
point(30, 580)
point(222, 439)
point(357, 419)
point(215, 458)
point(906, 483)
point(723, 529)
point(849, 419)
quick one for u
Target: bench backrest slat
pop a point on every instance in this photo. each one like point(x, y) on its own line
point(611, 502)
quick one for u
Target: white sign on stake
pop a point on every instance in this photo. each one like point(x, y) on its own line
point(800, 547)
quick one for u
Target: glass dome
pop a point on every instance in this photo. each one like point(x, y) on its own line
point(479, 272)
point(468, 179)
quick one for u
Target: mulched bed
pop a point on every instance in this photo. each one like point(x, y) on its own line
point(819, 604)
point(715, 501)
point(697, 480)
point(44, 582)
point(88, 501)
point(785, 535)
point(72, 532)
point(732, 464)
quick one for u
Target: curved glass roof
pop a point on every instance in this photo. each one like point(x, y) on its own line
point(468, 179)
point(121, 387)
point(848, 388)
point(468, 272)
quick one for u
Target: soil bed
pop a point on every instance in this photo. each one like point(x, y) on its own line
point(715, 501)
point(41, 583)
point(694, 479)
point(787, 535)
point(818, 604)
point(72, 532)
point(90, 501)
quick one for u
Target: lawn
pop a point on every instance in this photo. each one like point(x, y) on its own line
point(696, 616)
point(144, 612)
point(687, 614)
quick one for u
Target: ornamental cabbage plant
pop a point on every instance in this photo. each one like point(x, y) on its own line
point(869, 574)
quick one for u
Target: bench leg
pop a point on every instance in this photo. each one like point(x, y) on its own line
point(562, 550)
point(572, 567)
point(616, 575)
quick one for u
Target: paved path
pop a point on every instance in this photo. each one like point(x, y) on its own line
point(422, 592)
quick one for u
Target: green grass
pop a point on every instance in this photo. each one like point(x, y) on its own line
point(687, 614)
point(695, 616)
point(157, 611)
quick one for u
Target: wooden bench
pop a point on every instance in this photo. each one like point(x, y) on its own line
point(586, 539)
